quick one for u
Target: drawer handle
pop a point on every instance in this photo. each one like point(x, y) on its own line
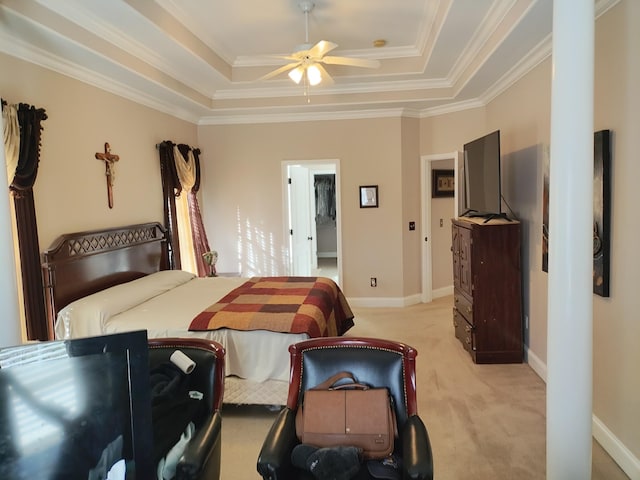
point(467, 329)
point(468, 340)
point(469, 310)
point(455, 323)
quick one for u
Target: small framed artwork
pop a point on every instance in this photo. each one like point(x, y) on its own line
point(369, 196)
point(442, 183)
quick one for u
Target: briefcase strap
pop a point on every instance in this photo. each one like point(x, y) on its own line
point(329, 382)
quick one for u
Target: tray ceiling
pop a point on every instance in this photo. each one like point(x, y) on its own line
point(201, 59)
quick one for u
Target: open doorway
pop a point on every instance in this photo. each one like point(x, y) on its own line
point(434, 243)
point(312, 204)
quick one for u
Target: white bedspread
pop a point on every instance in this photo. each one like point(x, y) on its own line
point(164, 304)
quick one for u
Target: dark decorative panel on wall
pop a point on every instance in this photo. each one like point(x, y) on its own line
point(601, 211)
point(545, 214)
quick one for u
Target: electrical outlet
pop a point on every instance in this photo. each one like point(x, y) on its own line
point(374, 282)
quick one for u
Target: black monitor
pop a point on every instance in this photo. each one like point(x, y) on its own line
point(482, 176)
point(76, 409)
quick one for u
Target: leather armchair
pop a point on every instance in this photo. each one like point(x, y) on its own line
point(372, 361)
point(201, 456)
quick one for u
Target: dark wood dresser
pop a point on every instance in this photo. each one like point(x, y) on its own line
point(487, 312)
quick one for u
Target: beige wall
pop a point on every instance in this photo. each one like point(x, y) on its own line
point(243, 191)
point(523, 116)
point(448, 133)
point(616, 333)
point(243, 194)
point(412, 262)
point(70, 191)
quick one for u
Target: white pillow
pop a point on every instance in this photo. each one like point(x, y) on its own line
point(87, 316)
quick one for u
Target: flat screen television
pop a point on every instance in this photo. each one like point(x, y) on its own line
point(482, 176)
point(76, 409)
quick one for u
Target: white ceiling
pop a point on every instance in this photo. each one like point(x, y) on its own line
point(201, 59)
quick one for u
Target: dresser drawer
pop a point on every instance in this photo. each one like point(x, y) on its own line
point(463, 306)
point(463, 331)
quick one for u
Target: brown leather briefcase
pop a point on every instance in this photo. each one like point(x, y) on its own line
point(350, 414)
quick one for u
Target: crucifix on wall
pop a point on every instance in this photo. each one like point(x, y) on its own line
point(109, 164)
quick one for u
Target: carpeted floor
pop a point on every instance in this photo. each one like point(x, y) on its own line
point(484, 421)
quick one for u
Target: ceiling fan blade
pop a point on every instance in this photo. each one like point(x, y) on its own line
point(278, 71)
point(283, 57)
point(326, 78)
point(353, 62)
point(321, 48)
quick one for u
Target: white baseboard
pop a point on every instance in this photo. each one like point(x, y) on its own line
point(442, 292)
point(384, 301)
point(327, 254)
point(629, 463)
point(536, 364)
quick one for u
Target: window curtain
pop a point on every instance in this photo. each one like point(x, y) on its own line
point(180, 169)
point(25, 170)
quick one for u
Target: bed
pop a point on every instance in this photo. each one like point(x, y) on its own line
point(114, 280)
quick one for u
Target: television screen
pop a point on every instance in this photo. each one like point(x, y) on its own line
point(76, 409)
point(482, 176)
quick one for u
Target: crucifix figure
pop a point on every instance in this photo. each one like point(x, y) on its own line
point(109, 164)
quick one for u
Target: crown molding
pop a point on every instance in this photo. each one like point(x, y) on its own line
point(602, 6)
point(250, 118)
point(452, 108)
point(25, 52)
point(535, 57)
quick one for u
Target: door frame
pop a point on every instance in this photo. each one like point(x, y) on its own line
point(426, 166)
point(314, 167)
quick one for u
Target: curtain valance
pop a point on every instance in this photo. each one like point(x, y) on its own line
point(182, 166)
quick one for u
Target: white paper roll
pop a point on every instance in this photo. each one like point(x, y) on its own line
point(183, 362)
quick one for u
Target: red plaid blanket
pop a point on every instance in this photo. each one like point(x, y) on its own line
point(312, 305)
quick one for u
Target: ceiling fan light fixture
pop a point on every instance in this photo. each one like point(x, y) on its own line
point(307, 59)
point(296, 74)
point(314, 75)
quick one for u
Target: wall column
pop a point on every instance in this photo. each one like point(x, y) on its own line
point(570, 308)
point(10, 320)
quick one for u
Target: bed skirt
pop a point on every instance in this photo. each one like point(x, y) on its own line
point(240, 391)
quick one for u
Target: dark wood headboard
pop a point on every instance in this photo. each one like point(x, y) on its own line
point(82, 263)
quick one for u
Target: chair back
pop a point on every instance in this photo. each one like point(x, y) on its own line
point(376, 362)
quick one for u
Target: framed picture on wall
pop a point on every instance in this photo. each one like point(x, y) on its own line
point(442, 183)
point(369, 196)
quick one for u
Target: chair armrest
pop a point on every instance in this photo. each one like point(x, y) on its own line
point(201, 456)
point(416, 450)
point(274, 460)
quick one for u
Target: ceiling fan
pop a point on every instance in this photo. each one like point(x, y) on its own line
point(307, 59)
